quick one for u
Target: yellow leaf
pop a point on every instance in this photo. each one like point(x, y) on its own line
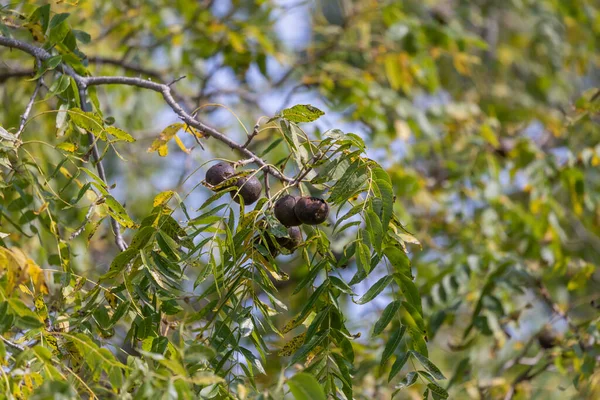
point(110, 298)
point(181, 145)
point(67, 146)
point(193, 131)
point(36, 31)
point(163, 150)
point(25, 290)
point(206, 378)
point(41, 209)
point(293, 323)
point(293, 345)
point(65, 172)
point(312, 354)
point(21, 269)
point(167, 134)
point(489, 135)
point(36, 274)
point(163, 198)
point(237, 41)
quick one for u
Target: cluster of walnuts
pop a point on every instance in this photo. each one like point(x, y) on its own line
point(291, 211)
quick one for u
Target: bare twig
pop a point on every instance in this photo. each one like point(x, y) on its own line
point(126, 66)
point(25, 115)
point(241, 163)
point(87, 218)
point(174, 81)
point(12, 344)
point(252, 135)
point(267, 187)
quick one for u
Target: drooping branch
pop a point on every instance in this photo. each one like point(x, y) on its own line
point(164, 89)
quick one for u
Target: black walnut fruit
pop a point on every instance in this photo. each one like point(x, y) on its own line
point(547, 339)
point(284, 210)
point(294, 239)
point(250, 189)
point(311, 210)
point(219, 173)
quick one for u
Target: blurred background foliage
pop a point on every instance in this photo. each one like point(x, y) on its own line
point(484, 114)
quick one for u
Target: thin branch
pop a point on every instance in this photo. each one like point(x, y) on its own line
point(119, 241)
point(18, 73)
point(174, 81)
point(126, 66)
point(252, 135)
point(267, 187)
point(25, 115)
point(165, 90)
point(12, 344)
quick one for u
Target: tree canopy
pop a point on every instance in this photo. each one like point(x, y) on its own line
point(324, 199)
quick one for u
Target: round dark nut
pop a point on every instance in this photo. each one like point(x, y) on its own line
point(250, 189)
point(294, 239)
point(284, 210)
point(219, 173)
point(311, 210)
point(547, 339)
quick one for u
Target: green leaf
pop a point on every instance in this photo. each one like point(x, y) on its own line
point(120, 134)
point(340, 284)
point(302, 113)
point(386, 317)
point(398, 259)
point(412, 318)
point(118, 212)
point(59, 33)
point(375, 289)
point(437, 391)
point(375, 230)
point(410, 291)
point(88, 121)
point(313, 299)
point(82, 36)
point(363, 261)
point(353, 180)
point(428, 365)
point(391, 345)
point(306, 387)
point(120, 262)
point(52, 62)
point(397, 366)
point(58, 19)
point(41, 14)
point(408, 380)
point(383, 185)
point(310, 277)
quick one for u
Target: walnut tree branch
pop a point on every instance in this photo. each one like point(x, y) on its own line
point(165, 90)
